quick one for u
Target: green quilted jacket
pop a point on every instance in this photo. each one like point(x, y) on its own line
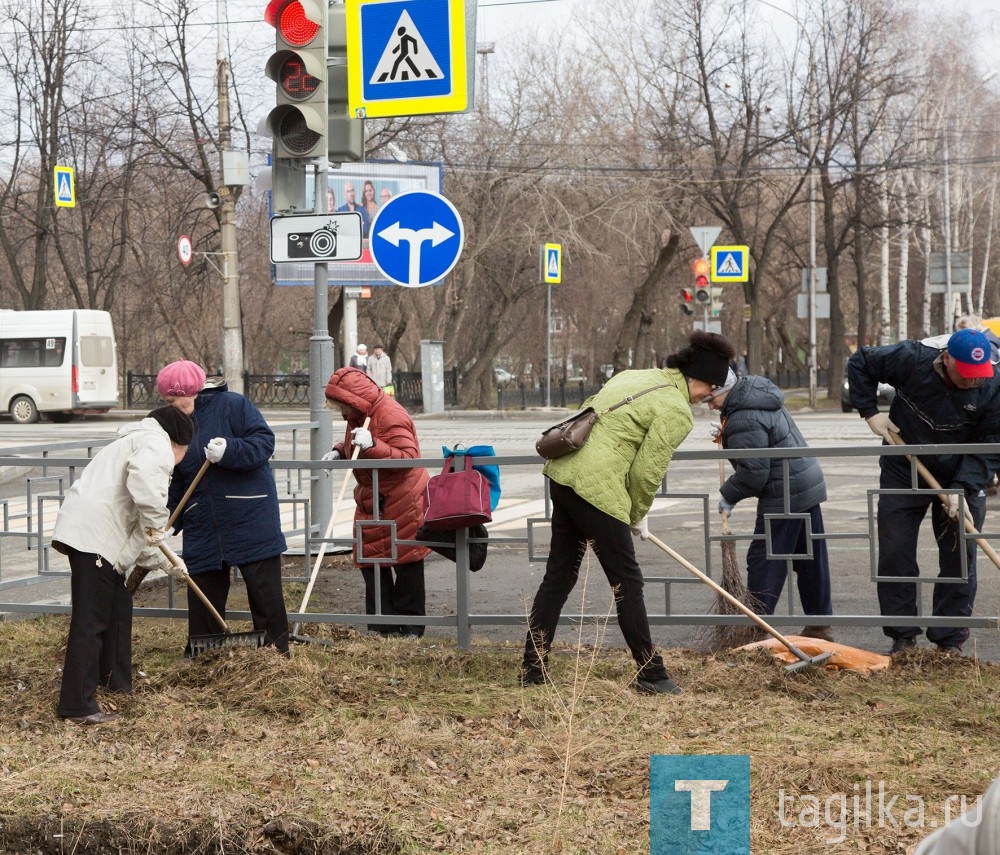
point(620, 467)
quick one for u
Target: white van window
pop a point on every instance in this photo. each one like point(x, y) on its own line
point(32, 352)
point(97, 351)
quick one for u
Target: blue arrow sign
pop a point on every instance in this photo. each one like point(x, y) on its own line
point(417, 238)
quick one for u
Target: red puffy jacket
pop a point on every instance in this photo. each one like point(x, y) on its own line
point(401, 491)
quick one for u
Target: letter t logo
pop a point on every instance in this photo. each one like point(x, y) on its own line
point(701, 801)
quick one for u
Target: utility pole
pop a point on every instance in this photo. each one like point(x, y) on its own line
point(232, 332)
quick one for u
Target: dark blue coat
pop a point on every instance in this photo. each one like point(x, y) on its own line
point(755, 417)
point(232, 517)
point(929, 410)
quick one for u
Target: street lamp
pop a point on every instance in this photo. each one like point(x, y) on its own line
point(949, 303)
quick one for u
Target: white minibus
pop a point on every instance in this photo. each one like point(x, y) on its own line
point(62, 363)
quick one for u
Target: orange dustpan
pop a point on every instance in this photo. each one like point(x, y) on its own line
point(842, 657)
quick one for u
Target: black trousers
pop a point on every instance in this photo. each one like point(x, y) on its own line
point(99, 648)
point(402, 593)
point(899, 519)
point(575, 523)
point(264, 594)
point(766, 577)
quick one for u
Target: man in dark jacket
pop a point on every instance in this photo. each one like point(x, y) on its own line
point(944, 395)
point(754, 416)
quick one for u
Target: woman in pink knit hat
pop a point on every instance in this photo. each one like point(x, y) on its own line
point(232, 519)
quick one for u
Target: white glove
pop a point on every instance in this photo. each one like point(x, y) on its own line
point(331, 455)
point(175, 571)
point(951, 505)
point(880, 425)
point(641, 529)
point(215, 449)
point(154, 536)
point(362, 438)
point(714, 429)
point(725, 508)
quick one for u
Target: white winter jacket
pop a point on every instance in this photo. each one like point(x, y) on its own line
point(975, 833)
point(121, 491)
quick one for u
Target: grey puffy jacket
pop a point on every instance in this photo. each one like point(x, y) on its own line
point(755, 417)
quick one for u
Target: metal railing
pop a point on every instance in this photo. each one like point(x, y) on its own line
point(519, 529)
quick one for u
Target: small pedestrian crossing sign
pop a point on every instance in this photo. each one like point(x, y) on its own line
point(63, 187)
point(730, 264)
point(551, 263)
point(406, 57)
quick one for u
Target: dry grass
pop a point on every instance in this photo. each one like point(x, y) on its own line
point(403, 746)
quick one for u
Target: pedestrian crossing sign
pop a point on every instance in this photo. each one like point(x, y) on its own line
point(551, 263)
point(730, 264)
point(62, 182)
point(406, 57)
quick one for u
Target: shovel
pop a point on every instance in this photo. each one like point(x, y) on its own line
point(201, 643)
point(934, 484)
point(322, 547)
point(805, 660)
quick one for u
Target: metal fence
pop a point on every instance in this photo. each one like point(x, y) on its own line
point(292, 390)
point(518, 539)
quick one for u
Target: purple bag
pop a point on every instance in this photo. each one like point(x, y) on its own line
point(455, 500)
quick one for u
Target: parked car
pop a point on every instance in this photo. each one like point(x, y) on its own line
point(296, 378)
point(502, 376)
point(886, 393)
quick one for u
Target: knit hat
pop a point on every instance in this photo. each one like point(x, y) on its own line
point(706, 358)
point(178, 425)
point(731, 379)
point(362, 348)
point(972, 354)
point(180, 379)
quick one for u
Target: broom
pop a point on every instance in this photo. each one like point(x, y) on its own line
point(725, 636)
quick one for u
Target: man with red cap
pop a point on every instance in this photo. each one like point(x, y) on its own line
point(944, 396)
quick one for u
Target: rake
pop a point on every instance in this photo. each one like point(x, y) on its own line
point(322, 549)
point(805, 660)
point(201, 643)
point(137, 575)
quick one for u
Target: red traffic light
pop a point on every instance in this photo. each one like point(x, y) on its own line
point(686, 295)
point(291, 21)
point(701, 281)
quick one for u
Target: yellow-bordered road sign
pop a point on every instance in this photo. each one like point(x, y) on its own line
point(730, 264)
point(406, 57)
point(65, 191)
point(551, 263)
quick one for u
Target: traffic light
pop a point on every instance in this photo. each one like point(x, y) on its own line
point(686, 298)
point(298, 122)
point(715, 307)
point(700, 268)
point(345, 136)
